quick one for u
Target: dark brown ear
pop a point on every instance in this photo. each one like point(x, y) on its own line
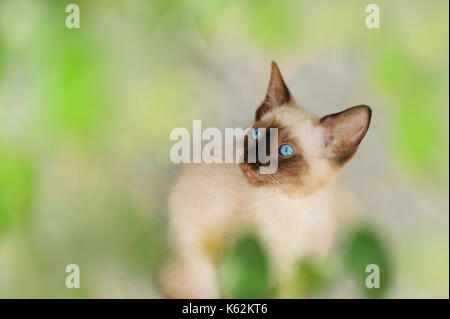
point(277, 93)
point(342, 132)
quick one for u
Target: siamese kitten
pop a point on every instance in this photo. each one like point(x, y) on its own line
point(290, 210)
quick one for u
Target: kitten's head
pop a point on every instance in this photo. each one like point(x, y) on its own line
point(311, 151)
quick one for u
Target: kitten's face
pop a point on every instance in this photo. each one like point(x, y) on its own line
point(310, 150)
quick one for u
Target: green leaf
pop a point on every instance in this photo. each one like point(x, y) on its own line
point(420, 101)
point(17, 184)
point(73, 85)
point(362, 248)
point(209, 15)
point(244, 270)
point(162, 7)
point(1, 59)
point(310, 278)
point(272, 23)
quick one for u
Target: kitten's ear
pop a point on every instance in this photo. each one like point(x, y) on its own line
point(277, 93)
point(342, 132)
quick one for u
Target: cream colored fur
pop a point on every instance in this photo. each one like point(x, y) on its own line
point(210, 203)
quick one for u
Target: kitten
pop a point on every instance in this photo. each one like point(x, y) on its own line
point(291, 210)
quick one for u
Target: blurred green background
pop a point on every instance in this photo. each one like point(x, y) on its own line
point(85, 118)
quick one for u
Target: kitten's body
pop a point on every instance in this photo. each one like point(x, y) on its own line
point(292, 211)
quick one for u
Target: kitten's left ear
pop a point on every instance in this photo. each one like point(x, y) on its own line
point(277, 93)
point(342, 132)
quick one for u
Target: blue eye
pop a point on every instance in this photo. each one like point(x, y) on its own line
point(286, 150)
point(255, 134)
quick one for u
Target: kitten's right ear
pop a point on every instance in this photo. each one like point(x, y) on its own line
point(277, 93)
point(342, 132)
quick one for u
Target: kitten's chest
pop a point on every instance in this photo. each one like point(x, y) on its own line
point(298, 225)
